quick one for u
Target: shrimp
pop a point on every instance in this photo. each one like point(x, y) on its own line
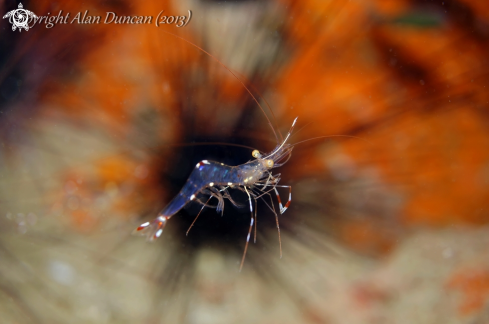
point(213, 179)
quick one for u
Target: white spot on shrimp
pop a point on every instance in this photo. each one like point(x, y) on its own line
point(192, 197)
point(144, 225)
point(211, 184)
point(252, 221)
point(248, 238)
point(230, 183)
point(205, 162)
point(197, 165)
point(158, 233)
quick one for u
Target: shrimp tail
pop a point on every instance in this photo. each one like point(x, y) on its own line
point(152, 230)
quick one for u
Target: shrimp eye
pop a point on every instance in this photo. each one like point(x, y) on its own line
point(256, 154)
point(270, 163)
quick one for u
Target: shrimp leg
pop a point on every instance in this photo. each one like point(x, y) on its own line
point(219, 196)
point(249, 231)
point(272, 208)
point(278, 226)
point(203, 206)
point(256, 222)
point(228, 197)
point(287, 204)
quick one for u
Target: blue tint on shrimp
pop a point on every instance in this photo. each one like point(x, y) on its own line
point(213, 179)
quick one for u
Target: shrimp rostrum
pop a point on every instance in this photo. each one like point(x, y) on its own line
point(214, 179)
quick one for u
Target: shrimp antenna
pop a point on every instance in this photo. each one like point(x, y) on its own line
point(230, 71)
point(328, 136)
point(212, 143)
point(285, 140)
point(266, 102)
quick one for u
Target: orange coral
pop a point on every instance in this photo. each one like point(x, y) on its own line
point(473, 284)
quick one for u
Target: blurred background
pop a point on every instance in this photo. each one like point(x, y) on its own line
point(100, 126)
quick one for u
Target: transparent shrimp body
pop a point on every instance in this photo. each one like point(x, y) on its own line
point(205, 176)
point(214, 179)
